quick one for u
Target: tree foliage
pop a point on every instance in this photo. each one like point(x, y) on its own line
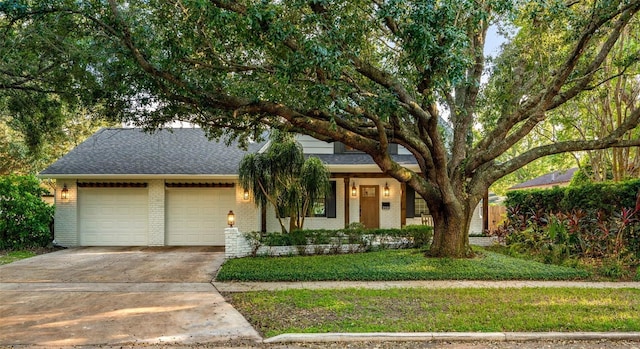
point(18, 153)
point(24, 218)
point(365, 73)
point(283, 178)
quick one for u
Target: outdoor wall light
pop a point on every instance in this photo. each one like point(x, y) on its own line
point(245, 195)
point(386, 190)
point(354, 191)
point(64, 193)
point(231, 219)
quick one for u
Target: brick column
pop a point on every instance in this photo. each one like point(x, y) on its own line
point(236, 246)
point(66, 215)
point(156, 213)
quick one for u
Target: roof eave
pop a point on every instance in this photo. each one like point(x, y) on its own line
point(369, 168)
point(137, 176)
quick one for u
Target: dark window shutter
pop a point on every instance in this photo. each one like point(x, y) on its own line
point(338, 147)
point(411, 202)
point(330, 201)
point(393, 148)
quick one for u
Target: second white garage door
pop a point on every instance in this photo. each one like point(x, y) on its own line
point(197, 216)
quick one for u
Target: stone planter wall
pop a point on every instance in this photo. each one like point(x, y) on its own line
point(237, 246)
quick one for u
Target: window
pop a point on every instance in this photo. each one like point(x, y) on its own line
point(415, 204)
point(324, 206)
point(420, 206)
point(318, 208)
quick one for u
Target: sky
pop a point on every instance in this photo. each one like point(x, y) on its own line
point(493, 42)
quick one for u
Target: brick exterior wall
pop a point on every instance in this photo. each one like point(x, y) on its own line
point(248, 216)
point(236, 245)
point(247, 213)
point(66, 214)
point(156, 213)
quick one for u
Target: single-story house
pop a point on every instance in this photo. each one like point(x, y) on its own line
point(123, 186)
point(560, 178)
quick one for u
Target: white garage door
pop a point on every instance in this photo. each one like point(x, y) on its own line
point(197, 216)
point(113, 216)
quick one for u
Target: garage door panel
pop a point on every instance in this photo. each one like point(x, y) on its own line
point(113, 217)
point(197, 216)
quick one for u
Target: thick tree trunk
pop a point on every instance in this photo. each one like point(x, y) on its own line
point(451, 232)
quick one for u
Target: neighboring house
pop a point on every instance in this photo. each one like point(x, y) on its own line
point(560, 178)
point(175, 187)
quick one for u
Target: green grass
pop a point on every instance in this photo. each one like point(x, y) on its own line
point(440, 310)
point(392, 265)
point(12, 256)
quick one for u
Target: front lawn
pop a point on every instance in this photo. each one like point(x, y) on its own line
point(7, 257)
point(440, 310)
point(392, 265)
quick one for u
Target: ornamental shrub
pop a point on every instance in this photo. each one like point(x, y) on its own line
point(607, 197)
point(416, 236)
point(25, 219)
point(592, 221)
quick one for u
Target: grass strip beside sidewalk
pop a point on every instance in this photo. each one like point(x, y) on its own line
point(392, 265)
point(440, 310)
point(7, 257)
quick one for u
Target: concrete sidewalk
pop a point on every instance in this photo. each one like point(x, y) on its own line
point(429, 284)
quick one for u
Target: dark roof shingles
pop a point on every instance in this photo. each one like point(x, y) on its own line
point(555, 177)
point(133, 151)
point(360, 159)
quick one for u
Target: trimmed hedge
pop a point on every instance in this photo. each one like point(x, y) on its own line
point(608, 198)
point(414, 236)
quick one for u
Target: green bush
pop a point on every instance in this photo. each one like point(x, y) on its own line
point(418, 236)
point(612, 268)
point(421, 235)
point(607, 198)
point(594, 221)
point(534, 200)
point(25, 219)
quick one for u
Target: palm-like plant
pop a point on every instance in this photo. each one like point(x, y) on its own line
point(283, 178)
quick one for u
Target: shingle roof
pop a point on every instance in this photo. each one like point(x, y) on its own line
point(116, 151)
point(550, 179)
point(361, 159)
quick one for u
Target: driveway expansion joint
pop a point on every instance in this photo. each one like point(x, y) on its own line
point(105, 287)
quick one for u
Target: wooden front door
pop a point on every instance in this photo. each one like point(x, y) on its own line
point(369, 210)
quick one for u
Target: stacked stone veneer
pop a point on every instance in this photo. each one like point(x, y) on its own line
point(238, 246)
point(235, 244)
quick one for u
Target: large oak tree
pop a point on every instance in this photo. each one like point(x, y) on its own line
point(363, 72)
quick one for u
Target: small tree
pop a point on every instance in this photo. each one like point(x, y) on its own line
point(282, 177)
point(24, 217)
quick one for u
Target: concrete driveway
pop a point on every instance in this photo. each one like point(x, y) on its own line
point(111, 295)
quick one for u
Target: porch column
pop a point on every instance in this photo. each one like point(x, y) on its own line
point(485, 211)
point(403, 205)
point(346, 201)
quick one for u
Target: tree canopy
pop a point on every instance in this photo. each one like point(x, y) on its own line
point(364, 72)
point(49, 99)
